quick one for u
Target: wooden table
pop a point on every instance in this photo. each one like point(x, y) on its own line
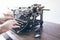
point(51, 31)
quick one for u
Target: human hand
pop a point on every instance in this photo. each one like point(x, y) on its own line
point(9, 25)
point(7, 16)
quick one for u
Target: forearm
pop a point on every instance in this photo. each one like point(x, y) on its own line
point(2, 20)
point(2, 29)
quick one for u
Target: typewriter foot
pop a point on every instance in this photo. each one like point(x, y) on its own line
point(37, 35)
point(37, 31)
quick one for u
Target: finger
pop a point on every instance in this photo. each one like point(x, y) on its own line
point(14, 22)
point(16, 26)
point(8, 18)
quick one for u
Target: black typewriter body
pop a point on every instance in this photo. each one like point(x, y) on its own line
point(26, 17)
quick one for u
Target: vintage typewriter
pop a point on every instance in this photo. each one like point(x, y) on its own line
point(26, 17)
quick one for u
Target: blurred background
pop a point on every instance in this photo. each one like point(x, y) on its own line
point(50, 16)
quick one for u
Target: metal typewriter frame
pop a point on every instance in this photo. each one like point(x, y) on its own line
point(40, 22)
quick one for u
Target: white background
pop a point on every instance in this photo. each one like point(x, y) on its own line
point(51, 16)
